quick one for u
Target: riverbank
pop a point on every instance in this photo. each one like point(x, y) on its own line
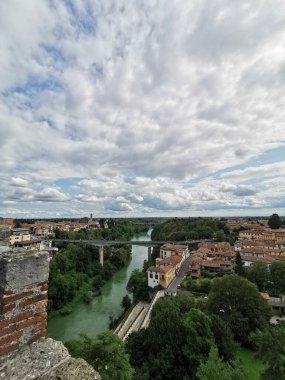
point(93, 318)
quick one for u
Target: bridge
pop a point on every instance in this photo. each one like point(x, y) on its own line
point(145, 243)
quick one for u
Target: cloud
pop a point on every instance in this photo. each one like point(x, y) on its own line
point(119, 206)
point(238, 190)
point(148, 106)
point(50, 195)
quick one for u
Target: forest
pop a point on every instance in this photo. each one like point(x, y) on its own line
point(76, 272)
point(181, 229)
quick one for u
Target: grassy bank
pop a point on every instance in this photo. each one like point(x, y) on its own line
point(251, 365)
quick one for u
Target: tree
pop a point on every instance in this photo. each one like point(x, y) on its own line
point(274, 221)
point(277, 278)
point(126, 302)
point(215, 369)
point(145, 265)
point(259, 275)
point(197, 346)
point(17, 224)
point(137, 285)
point(220, 236)
point(106, 353)
point(237, 301)
point(178, 337)
point(271, 349)
point(224, 339)
point(239, 269)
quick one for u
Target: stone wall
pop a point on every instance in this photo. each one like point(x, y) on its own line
point(23, 298)
point(24, 353)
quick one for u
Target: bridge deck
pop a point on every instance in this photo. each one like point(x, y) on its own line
point(145, 243)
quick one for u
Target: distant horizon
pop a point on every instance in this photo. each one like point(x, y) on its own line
point(141, 217)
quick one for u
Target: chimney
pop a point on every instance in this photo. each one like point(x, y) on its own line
point(23, 297)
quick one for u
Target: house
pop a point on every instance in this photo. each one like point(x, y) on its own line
point(19, 235)
point(250, 260)
point(277, 303)
point(213, 257)
point(175, 261)
point(216, 266)
point(33, 244)
point(167, 250)
point(160, 276)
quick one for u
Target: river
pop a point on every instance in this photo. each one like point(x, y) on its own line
point(93, 318)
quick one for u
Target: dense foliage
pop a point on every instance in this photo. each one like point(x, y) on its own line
point(77, 268)
point(202, 285)
point(216, 369)
point(138, 286)
point(178, 338)
point(185, 229)
point(237, 302)
point(271, 349)
point(270, 279)
point(192, 229)
point(106, 353)
point(239, 265)
point(274, 221)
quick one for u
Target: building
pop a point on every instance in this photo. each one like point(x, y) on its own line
point(175, 261)
point(212, 257)
point(167, 265)
point(168, 250)
point(19, 235)
point(160, 276)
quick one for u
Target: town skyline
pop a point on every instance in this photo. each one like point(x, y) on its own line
point(154, 109)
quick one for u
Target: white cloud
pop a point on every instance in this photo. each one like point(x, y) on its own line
point(142, 103)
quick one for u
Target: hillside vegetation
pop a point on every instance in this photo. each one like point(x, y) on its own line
point(187, 229)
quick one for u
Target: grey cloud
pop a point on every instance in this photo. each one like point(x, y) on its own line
point(243, 191)
point(238, 190)
point(50, 195)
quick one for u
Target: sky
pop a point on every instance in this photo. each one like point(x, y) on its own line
point(142, 108)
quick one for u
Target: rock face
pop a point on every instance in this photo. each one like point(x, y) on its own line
point(46, 359)
point(73, 369)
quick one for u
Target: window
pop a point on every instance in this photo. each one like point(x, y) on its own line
point(162, 276)
point(156, 276)
point(151, 275)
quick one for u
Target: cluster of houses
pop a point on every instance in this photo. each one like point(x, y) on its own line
point(37, 236)
point(34, 235)
point(245, 223)
point(167, 265)
point(213, 257)
point(261, 245)
point(254, 245)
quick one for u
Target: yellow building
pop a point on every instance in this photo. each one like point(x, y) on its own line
point(15, 239)
point(160, 276)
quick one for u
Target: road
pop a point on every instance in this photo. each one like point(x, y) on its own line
point(134, 320)
point(139, 317)
point(172, 288)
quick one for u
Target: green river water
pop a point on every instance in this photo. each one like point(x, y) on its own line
point(93, 318)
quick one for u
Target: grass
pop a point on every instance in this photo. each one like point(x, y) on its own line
point(252, 367)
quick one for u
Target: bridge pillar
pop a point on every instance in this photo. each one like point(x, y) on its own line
point(149, 251)
point(101, 255)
